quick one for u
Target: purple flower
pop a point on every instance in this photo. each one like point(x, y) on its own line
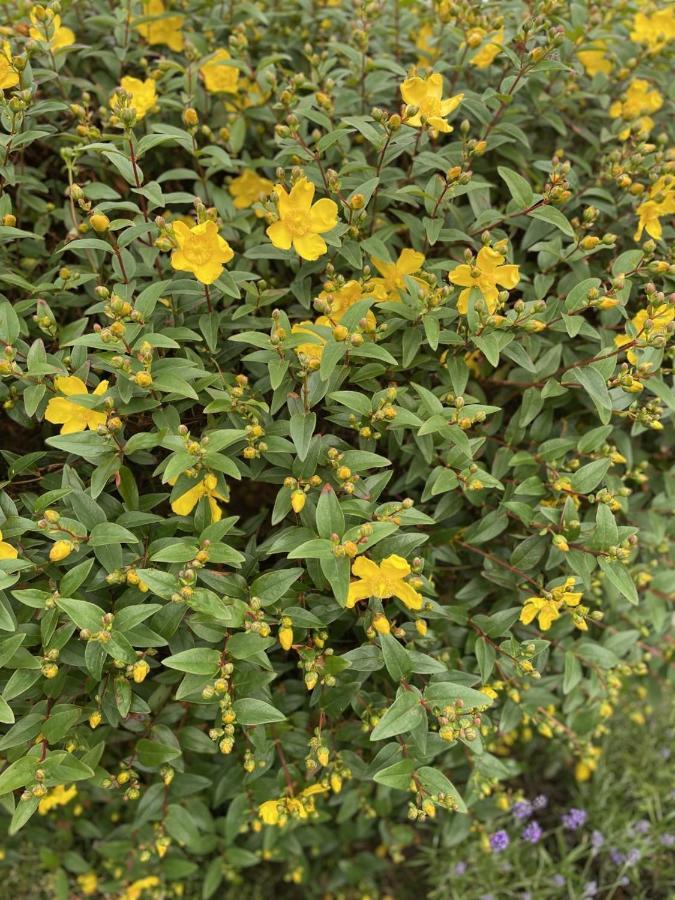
point(460, 868)
point(617, 857)
point(540, 802)
point(558, 880)
point(522, 809)
point(532, 832)
point(499, 841)
point(641, 826)
point(590, 889)
point(668, 840)
point(574, 819)
point(634, 856)
point(597, 839)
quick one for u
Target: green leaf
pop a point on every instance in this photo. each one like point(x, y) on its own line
point(302, 428)
point(554, 217)
point(395, 657)
point(153, 753)
point(329, 516)
point(198, 661)
point(250, 711)
point(618, 575)
point(403, 715)
point(396, 776)
point(518, 187)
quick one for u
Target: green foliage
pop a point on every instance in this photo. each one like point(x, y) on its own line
point(335, 488)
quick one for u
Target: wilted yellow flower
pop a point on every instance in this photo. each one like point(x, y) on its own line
point(6, 550)
point(486, 272)
point(70, 415)
point(661, 202)
point(9, 77)
point(143, 95)
point(427, 95)
point(220, 78)
point(60, 550)
point(655, 29)
point(95, 719)
point(300, 222)
point(492, 46)
point(207, 487)
point(312, 350)
point(383, 581)
point(58, 796)
point(163, 29)
point(88, 883)
point(660, 319)
point(594, 59)
point(249, 188)
point(392, 282)
point(201, 250)
point(51, 31)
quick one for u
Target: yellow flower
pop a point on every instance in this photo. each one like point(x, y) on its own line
point(249, 188)
point(6, 550)
point(428, 51)
point(58, 796)
point(489, 51)
point(661, 202)
point(344, 298)
point(218, 77)
point(285, 633)
point(88, 883)
point(163, 29)
point(656, 29)
point(207, 487)
point(312, 350)
point(143, 95)
point(134, 891)
point(298, 500)
point(381, 624)
point(661, 317)
point(485, 273)
point(300, 222)
point(427, 95)
point(9, 77)
point(139, 670)
point(52, 32)
point(545, 611)
point(67, 413)
point(638, 99)
point(392, 282)
point(201, 250)
point(61, 550)
point(594, 59)
point(277, 812)
point(383, 581)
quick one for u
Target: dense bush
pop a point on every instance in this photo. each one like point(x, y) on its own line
point(335, 388)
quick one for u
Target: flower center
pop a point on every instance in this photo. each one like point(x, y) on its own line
point(197, 251)
point(297, 223)
point(430, 106)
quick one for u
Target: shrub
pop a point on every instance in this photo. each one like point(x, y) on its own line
point(335, 390)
